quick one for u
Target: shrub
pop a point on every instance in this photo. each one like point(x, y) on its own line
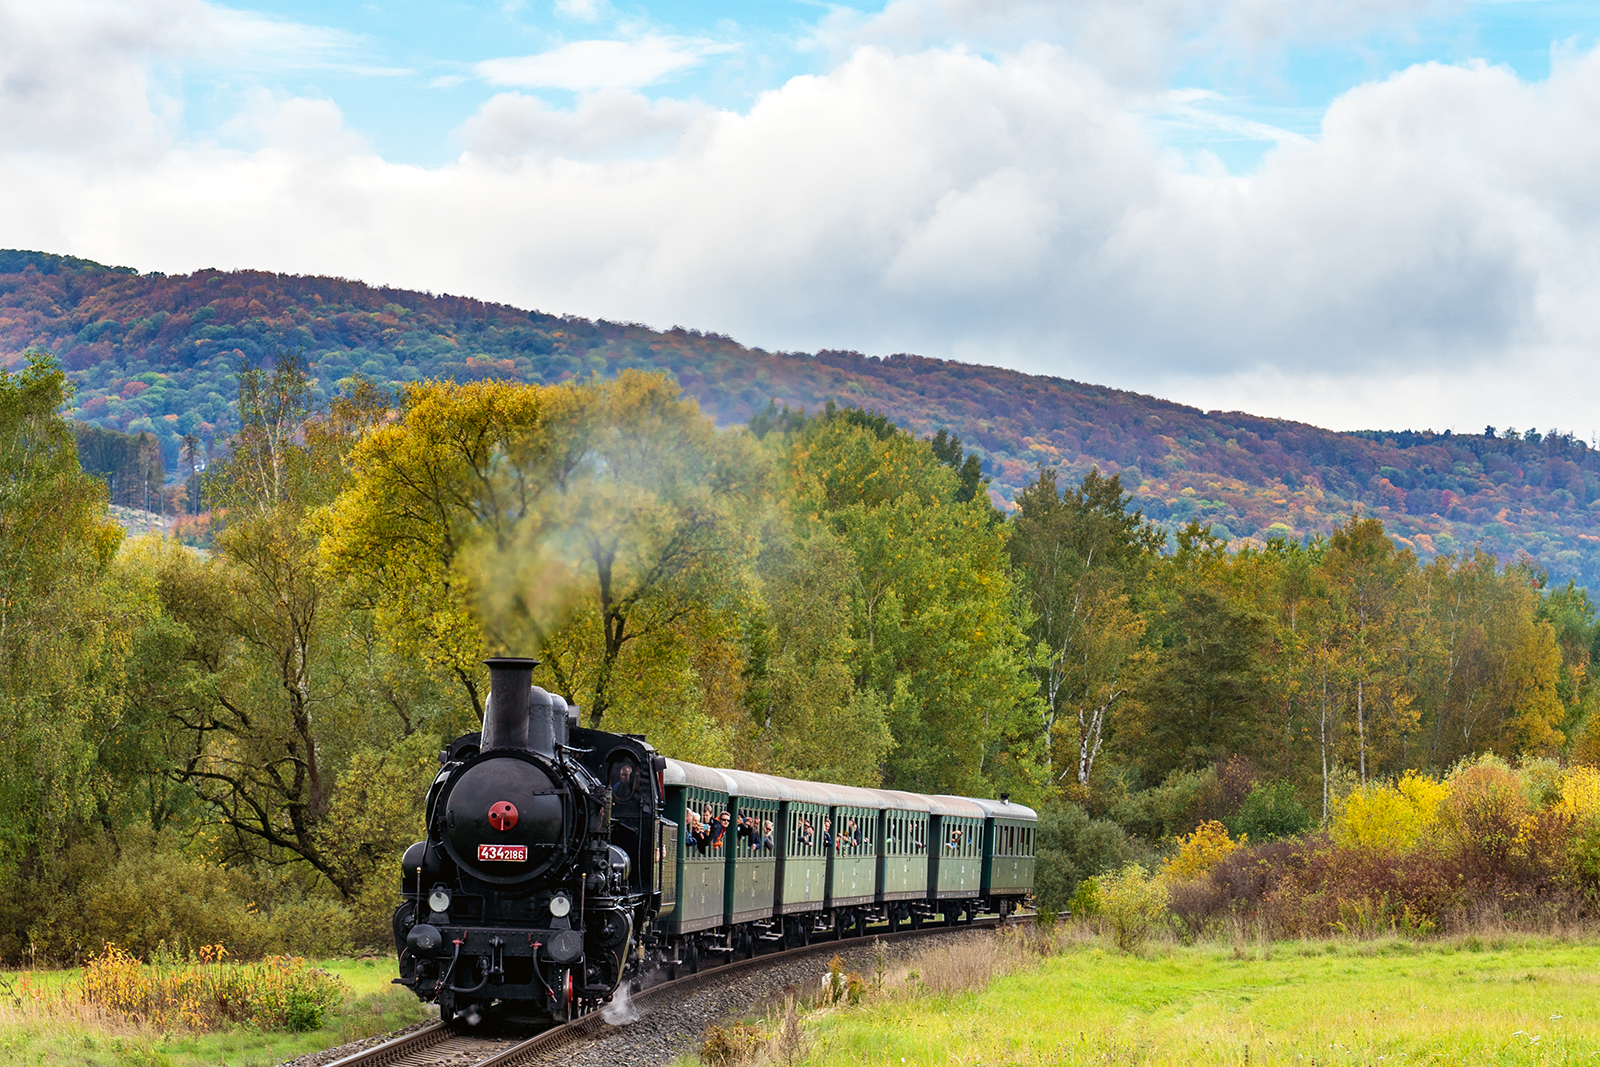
point(837, 985)
point(1072, 847)
point(1199, 852)
point(1580, 793)
point(1131, 903)
point(160, 899)
point(1389, 818)
point(1484, 812)
point(1179, 804)
point(1085, 902)
point(727, 1046)
point(1270, 811)
point(207, 992)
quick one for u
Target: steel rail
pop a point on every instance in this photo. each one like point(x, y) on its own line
point(437, 1033)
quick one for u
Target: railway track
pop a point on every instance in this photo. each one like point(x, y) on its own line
point(441, 1045)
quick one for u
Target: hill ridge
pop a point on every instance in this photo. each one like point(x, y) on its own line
point(160, 354)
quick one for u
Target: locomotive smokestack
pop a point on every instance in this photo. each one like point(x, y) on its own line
point(505, 720)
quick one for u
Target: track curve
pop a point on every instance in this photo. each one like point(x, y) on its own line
point(441, 1045)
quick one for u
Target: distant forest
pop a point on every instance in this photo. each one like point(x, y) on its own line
point(158, 355)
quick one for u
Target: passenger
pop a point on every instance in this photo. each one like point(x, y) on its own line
point(766, 837)
point(827, 834)
point(855, 835)
point(717, 828)
point(693, 834)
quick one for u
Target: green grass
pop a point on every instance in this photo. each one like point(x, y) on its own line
point(31, 1037)
point(1506, 1001)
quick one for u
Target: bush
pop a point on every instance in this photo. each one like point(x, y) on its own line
point(1389, 818)
point(1131, 903)
point(1271, 810)
point(1179, 804)
point(1085, 902)
point(1484, 813)
point(727, 1046)
point(206, 992)
point(1199, 852)
point(1072, 847)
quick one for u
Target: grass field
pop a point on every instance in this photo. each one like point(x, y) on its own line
point(1476, 1001)
point(49, 1034)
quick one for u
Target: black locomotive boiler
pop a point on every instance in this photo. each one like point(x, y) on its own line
point(541, 861)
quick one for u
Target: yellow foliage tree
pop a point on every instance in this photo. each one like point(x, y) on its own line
point(1200, 851)
point(1390, 818)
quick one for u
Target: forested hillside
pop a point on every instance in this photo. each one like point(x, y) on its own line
point(244, 735)
point(157, 354)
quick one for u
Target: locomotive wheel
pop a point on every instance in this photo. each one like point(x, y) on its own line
point(447, 1008)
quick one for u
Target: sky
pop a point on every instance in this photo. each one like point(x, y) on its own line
point(1357, 213)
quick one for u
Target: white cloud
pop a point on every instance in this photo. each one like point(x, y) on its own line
point(582, 10)
point(96, 74)
point(1130, 41)
point(608, 122)
point(602, 64)
point(1430, 257)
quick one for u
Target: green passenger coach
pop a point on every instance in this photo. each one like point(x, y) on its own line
point(692, 793)
point(751, 859)
point(1008, 853)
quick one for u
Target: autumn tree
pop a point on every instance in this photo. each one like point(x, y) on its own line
point(1081, 555)
point(58, 623)
point(606, 524)
point(1367, 577)
point(1205, 696)
point(934, 613)
point(276, 682)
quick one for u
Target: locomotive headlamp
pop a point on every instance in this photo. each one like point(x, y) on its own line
point(439, 899)
point(560, 905)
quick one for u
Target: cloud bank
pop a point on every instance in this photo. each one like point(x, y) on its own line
point(1430, 257)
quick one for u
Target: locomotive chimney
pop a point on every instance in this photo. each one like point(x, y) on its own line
point(541, 725)
point(505, 720)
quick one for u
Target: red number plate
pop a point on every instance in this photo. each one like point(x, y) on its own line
point(504, 853)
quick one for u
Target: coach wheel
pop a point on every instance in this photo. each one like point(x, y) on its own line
point(894, 920)
point(971, 913)
point(916, 920)
point(691, 956)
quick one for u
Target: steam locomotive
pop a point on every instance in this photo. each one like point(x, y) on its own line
point(560, 862)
